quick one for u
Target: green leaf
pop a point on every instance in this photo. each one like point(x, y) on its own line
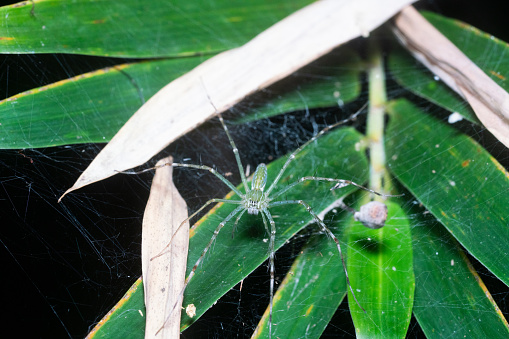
point(311, 292)
point(411, 74)
point(380, 268)
point(88, 108)
point(458, 181)
point(474, 43)
point(136, 28)
point(231, 259)
point(92, 107)
point(331, 81)
point(130, 310)
point(336, 155)
point(450, 298)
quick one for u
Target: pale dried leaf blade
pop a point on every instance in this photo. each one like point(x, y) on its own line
point(164, 276)
point(230, 76)
point(489, 101)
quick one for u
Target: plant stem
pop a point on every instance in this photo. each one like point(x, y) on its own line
point(375, 120)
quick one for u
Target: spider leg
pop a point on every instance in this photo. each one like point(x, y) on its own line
point(193, 270)
point(266, 213)
point(343, 183)
point(232, 143)
point(237, 220)
point(327, 230)
point(190, 217)
point(339, 184)
point(200, 167)
point(235, 151)
point(322, 132)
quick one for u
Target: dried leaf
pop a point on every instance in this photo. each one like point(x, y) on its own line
point(164, 275)
point(232, 75)
point(489, 101)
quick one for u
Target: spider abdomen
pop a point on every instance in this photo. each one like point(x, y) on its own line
point(259, 177)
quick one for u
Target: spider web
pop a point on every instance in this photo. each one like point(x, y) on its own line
point(66, 265)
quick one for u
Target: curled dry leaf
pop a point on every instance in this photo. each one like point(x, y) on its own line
point(489, 101)
point(164, 275)
point(230, 76)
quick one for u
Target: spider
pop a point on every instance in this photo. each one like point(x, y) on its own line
point(257, 199)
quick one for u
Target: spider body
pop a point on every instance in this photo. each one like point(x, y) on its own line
point(255, 199)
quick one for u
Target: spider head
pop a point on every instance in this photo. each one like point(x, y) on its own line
point(255, 201)
point(253, 211)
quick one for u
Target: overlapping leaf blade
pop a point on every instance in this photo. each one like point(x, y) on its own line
point(334, 155)
point(463, 186)
point(89, 108)
point(474, 43)
point(435, 163)
point(231, 259)
point(136, 28)
point(311, 292)
point(380, 267)
point(333, 80)
point(93, 106)
point(450, 298)
point(126, 319)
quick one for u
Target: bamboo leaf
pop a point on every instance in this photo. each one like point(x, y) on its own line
point(471, 41)
point(232, 259)
point(311, 292)
point(88, 108)
point(126, 319)
point(336, 154)
point(333, 80)
point(136, 28)
point(380, 267)
point(92, 107)
point(457, 180)
point(447, 286)
point(191, 99)
point(409, 73)
point(165, 244)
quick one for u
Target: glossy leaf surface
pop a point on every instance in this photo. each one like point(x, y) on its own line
point(450, 298)
point(88, 108)
point(474, 43)
point(457, 180)
point(312, 289)
point(93, 106)
point(136, 28)
point(334, 155)
point(380, 266)
point(126, 319)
